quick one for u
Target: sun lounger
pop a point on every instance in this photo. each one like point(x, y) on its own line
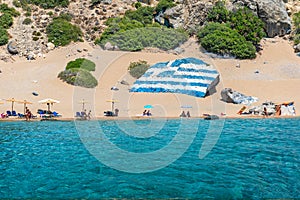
point(13, 113)
point(8, 113)
point(55, 114)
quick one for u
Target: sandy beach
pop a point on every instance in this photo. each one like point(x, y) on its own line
point(277, 80)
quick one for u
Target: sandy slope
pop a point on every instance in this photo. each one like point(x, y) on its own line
point(278, 80)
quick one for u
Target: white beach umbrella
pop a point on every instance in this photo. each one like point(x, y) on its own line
point(48, 102)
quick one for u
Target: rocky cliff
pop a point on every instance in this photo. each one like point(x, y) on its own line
point(32, 39)
point(191, 13)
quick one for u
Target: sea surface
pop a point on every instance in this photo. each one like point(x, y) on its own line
point(242, 159)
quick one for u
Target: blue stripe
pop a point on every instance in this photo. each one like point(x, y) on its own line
point(165, 90)
point(172, 83)
point(197, 70)
point(178, 62)
point(160, 65)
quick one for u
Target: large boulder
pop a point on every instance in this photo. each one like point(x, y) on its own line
point(12, 47)
point(272, 12)
point(188, 14)
point(230, 96)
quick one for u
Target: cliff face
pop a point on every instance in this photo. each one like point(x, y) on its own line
point(188, 14)
point(191, 13)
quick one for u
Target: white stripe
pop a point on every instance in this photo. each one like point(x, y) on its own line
point(181, 80)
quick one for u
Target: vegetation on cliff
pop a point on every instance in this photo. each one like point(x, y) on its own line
point(137, 30)
point(77, 73)
point(296, 23)
point(61, 32)
point(46, 4)
point(221, 39)
point(234, 33)
point(6, 21)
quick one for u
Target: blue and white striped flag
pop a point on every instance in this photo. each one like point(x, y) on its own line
point(189, 76)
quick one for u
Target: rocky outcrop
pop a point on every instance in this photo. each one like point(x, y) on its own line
point(191, 13)
point(188, 14)
point(272, 12)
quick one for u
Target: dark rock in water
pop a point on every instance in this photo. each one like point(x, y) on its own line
point(12, 47)
point(35, 93)
point(211, 117)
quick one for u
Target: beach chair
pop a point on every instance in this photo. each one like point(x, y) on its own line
point(78, 114)
point(20, 115)
point(55, 114)
point(8, 113)
point(14, 113)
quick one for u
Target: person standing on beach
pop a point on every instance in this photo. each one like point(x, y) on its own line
point(28, 114)
point(89, 115)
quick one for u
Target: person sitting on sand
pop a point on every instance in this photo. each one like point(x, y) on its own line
point(182, 114)
point(145, 113)
point(148, 113)
point(188, 114)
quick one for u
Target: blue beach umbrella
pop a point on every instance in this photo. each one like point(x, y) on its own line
point(186, 106)
point(148, 106)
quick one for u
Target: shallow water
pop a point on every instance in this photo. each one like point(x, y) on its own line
point(251, 159)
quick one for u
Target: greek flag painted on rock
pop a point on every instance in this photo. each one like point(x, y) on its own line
point(189, 76)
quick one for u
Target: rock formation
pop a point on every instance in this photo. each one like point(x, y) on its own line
point(272, 12)
point(191, 13)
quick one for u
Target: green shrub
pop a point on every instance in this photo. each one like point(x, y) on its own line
point(6, 20)
point(17, 3)
point(46, 4)
point(27, 21)
point(137, 69)
point(34, 38)
point(221, 39)
point(164, 5)
point(28, 14)
point(81, 63)
point(137, 39)
point(248, 25)
point(61, 32)
point(5, 9)
point(66, 16)
point(3, 36)
point(78, 77)
point(95, 2)
point(143, 15)
point(218, 13)
point(296, 23)
point(137, 5)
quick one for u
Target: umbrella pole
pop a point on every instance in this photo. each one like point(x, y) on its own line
point(112, 106)
point(12, 106)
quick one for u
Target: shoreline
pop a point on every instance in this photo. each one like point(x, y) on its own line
point(134, 118)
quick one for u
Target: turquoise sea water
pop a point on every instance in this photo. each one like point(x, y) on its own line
point(252, 159)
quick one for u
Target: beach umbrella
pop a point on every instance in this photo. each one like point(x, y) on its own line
point(48, 102)
point(148, 106)
point(25, 102)
point(113, 101)
point(12, 100)
point(186, 106)
point(83, 102)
